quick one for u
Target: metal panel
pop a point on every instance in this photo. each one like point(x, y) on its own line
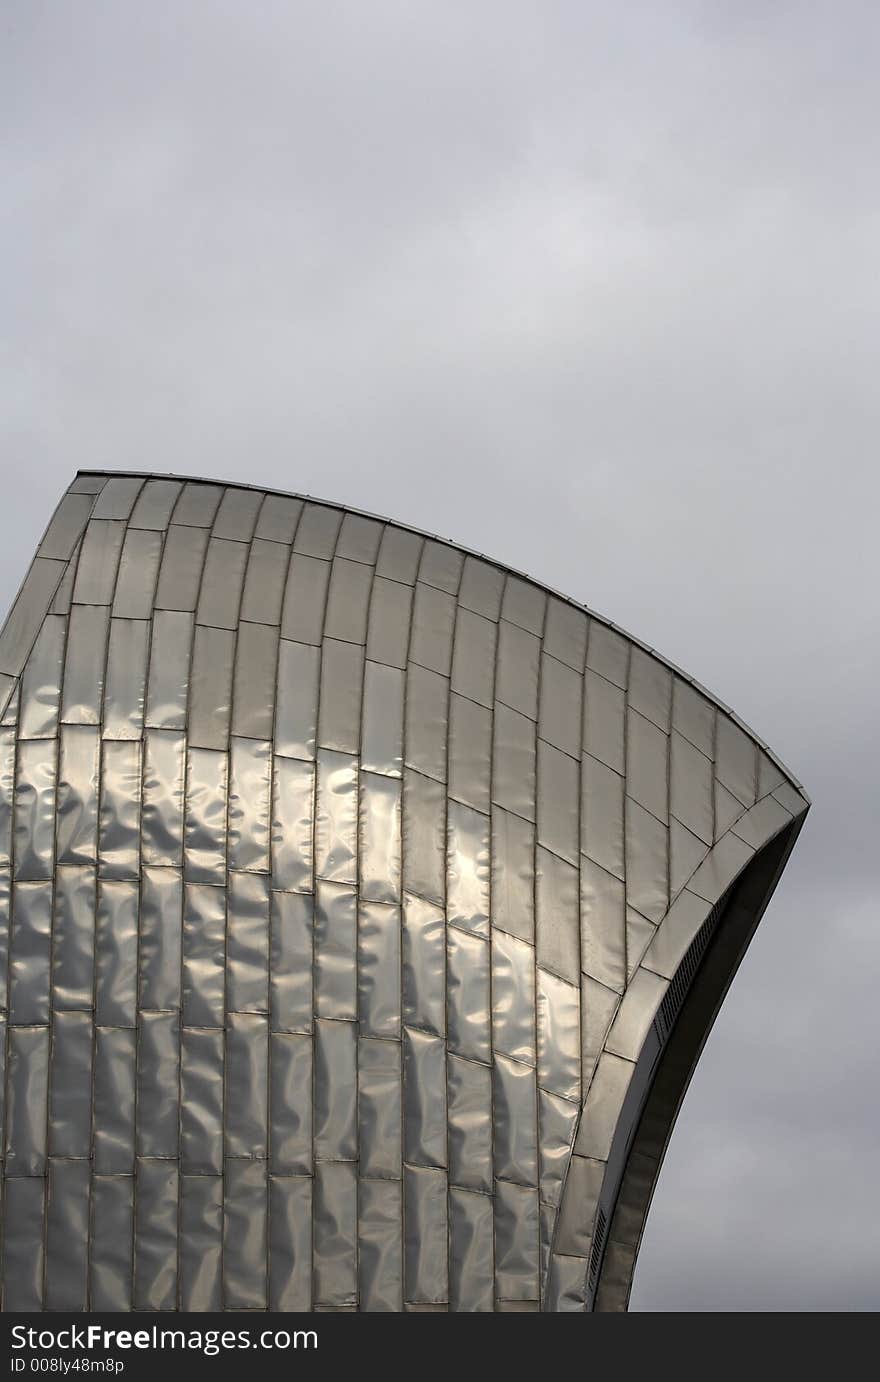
point(399, 553)
point(467, 868)
point(29, 952)
point(608, 653)
point(180, 574)
point(318, 530)
point(515, 1113)
point(67, 1235)
point(296, 704)
point(237, 514)
point(158, 1073)
point(559, 1043)
point(17, 635)
point(380, 1118)
point(441, 566)
point(163, 793)
point(380, 1268)
point(116, 953)
point(388, 630)
point(197, 504)
point(516, 681)
point(513, 763)
point(378, 969)
point(470, 753)
point(647, 882)
point(342, 677)
point(66, 526)
point(290, 972)
point(473, 663)
point(647, 771)
point(433, 621)
point(155, 1235)
point(335, 951)
point(424, 965)
point(380, 838)
point(558, 800)
point(126, 680)
point(204, 955)
point(304, 599)
point(34, 810)
point(382, 729)
point(114, 1096)
point(264, 582)
point(690, 787)
point(426, 1275)
point(565, 633)
point(247, 1085)
point(693, 716)
point(41, 682)
point(84, 668)
point(604, 721)
point(27, 1091)
point(470, 1123)
point(602, 833)
point(513, 888)
point(246, 1237)
point(110, 1259)
point(70, 1084)
point(347, 601)
point(336, 817)
point(119, 814)
point(201, 1234)
point(210, 705)
point(524, 604)
point(482, 587)
point(222, 579)
point(560, 710)
point(468, 1016)
point(290, 1243)
point(155, 504)
point(335, 1234)
point(736, 760)
point(556, 915)
point(517, 1231)
point(513, 997)
point(471, 1268)
point(98, 560)
point(424, 811)
point(169, 675)
point(424, 1089)
point(278, 518)
point(247, 943)
point(23, 1254)
point(290, 1133)
point(73, 937)
point(335, 1090)
point(250, 789)
point(427, 710)
point(117, 496)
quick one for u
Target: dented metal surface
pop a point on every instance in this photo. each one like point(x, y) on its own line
point(346, 880)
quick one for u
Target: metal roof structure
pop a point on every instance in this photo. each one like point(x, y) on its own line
point(366, 908)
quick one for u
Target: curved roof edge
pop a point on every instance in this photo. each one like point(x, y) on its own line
point(481, 556)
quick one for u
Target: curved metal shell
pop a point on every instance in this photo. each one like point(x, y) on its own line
point(365, 907)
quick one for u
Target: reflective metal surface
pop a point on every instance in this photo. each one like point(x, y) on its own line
point(364, 906)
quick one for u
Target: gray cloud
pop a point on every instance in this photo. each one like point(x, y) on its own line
point(591, 289)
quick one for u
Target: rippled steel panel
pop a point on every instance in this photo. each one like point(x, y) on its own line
point(364, 907)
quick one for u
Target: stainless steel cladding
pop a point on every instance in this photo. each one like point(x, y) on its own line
point(365, 908)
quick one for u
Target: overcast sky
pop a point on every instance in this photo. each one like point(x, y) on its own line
point(590, 287)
